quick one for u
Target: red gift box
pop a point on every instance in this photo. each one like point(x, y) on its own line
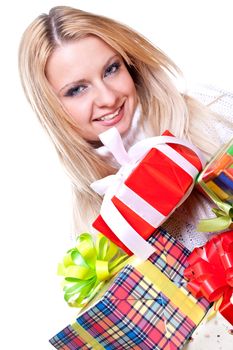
point(153, 189)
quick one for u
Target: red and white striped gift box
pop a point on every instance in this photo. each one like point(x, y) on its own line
point(156, 176)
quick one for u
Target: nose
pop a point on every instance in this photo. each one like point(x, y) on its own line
point(105, 96)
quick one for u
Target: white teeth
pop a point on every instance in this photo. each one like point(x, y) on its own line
point(110, 116)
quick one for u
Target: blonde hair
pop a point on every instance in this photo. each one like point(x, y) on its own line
point(163, 106)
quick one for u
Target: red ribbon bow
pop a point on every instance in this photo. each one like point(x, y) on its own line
point(211, 272)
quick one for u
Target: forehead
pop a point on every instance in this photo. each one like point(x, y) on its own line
point(77, 57)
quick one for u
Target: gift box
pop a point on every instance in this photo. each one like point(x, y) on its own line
point(156, 176)
point(218, 174)
point(145, 306)
point(216, 182)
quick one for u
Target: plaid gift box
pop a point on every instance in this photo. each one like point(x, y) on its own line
point(156, 176)
point(216, 182)
point(146, 306)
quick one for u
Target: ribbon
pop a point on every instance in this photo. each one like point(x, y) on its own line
point(87, 266)
point(224, 214)
point(111, 185)
point(86, 337)
point(210, 272)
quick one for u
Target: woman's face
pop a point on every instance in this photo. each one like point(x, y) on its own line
point(94, 86)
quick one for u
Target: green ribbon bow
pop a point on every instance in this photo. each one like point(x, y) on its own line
point(87, 266)
point(224, 214)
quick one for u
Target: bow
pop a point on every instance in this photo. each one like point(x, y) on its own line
point(210, 272)
point(87, 266)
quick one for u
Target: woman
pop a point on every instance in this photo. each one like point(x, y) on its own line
point(84, 73)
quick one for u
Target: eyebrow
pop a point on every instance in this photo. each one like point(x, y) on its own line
point(82, 81)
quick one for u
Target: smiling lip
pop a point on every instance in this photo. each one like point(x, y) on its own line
point(114, 120)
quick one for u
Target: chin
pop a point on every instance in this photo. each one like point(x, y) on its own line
point(123, 129)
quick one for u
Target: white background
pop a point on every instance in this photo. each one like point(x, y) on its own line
point(35, 192)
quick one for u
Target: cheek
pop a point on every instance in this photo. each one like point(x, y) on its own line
point(128, 86)
point(79, 110)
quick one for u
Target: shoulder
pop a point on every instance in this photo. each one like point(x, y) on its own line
point(219, 100)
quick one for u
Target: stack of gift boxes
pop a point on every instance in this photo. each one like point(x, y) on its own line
point(147, 304)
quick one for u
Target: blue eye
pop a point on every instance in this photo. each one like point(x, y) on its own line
point(113, 68)
point(75, 90)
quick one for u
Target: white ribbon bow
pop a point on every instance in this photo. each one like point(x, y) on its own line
point(114, 185)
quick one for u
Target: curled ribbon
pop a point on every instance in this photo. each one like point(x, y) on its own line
point(210, 272)
point(224, 214)
point(87, 266)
